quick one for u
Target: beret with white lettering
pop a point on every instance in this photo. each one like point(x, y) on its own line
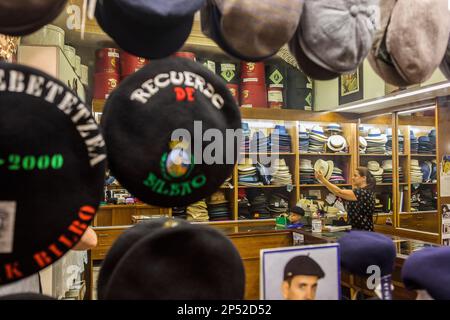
point(52, 167)
point(170, 130)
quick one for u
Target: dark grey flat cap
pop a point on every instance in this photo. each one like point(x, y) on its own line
point(337, 35)
point(445, 65)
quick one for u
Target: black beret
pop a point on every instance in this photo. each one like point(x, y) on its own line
point(428, 269)
point(19, 18)
point(150, 29)
point(121, 246)
point(298, 210)
point(177, 261)
point(302, 266)
point(52, 167)
point(361, 249)
point(164, 98)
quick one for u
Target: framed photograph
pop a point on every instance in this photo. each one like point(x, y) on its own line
point(301, 273)
point(351, 86)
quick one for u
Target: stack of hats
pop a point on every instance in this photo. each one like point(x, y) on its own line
point(401, 141)
point(432, 136)
point(107, 72)
point(387, 171)
point(253, 85)
point(325, 167)
point(278, 204)
point(281, 175)
point(334, 128)
point(306, 172)
point(423, 199)
point(229, 73)
point(280, 140)
point(427, 168)
point(337, 143)
point(218, 207)
point(362, 145)
point(259, 207)
point(337, 176)
point(245, 138)
point(179, 212)
point(248, 174)
point(413, 142)
point(303, 139)
point(198, 212)
point(243, 205)
point(433, 175)
point(416, 171)
point(259, 142)
point(376, 142)
point(378, 206)
point(376, 171)
point(276, 80)
point(401, 174)
point(317, 140)
point(425, 146)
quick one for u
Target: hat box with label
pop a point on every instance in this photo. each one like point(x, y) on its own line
point(104, 84)
point(275, 97)
point(253, 95)
point(299, 90)
point(253, 72)
point(130, 63)
point(107, 60)
point(276, 77)
point(228, 71)
point(234, 89)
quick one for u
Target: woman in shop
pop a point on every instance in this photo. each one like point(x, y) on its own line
point(360, 201)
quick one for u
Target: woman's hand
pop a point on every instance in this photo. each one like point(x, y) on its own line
point(319, 176)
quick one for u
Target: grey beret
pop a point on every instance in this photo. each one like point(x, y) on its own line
point(259, 28)
point(445, 65)
point(337, 35)
point(414, 40)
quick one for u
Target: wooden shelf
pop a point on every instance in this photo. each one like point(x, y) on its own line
point(268, 153)
point(419, 212)
point(384, 184)
point(321, 185)
point(375, 155)
point(303, 154)
point(424, 155)
point(426, 183)
point(265, 186)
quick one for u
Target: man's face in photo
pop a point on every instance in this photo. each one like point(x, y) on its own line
point(300, 288)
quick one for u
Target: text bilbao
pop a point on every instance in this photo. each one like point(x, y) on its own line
point(66, 101)
point(189, 79)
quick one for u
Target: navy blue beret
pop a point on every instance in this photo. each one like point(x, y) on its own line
point(150, 29)
point(361, 249)
point(429, 269)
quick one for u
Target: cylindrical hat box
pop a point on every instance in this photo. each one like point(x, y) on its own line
point(49, 35)
point(253, 72)
point(104, 84)
point(253, 95)
point(130, 63)
point(229, 72)
point(187, 55)
point(234, 89)
point(275, 97)
point(302, 99)
point(107, 61)
point(296, 79)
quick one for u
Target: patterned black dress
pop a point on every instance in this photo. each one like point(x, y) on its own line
point(360, 212)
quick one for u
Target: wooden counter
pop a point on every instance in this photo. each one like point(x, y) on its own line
point(250, 237)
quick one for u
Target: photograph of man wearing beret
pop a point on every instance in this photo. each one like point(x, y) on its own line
point(301, 278)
